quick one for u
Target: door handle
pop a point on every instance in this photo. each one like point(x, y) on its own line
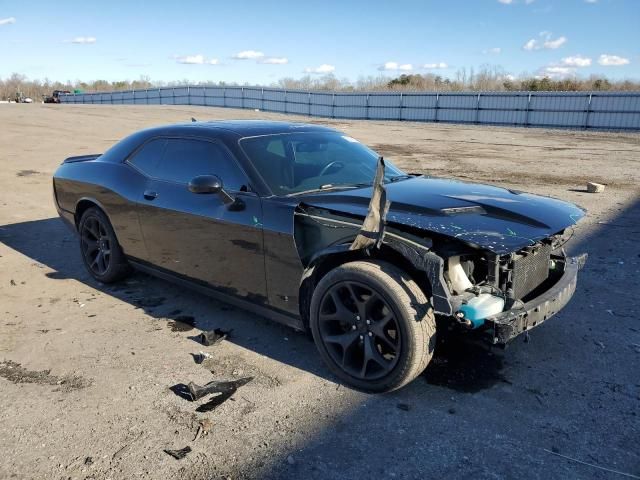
point(149, 195)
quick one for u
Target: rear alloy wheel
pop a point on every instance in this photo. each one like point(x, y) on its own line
point(373, 325)
point(100, 250)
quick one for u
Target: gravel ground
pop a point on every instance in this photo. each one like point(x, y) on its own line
point(86, 370)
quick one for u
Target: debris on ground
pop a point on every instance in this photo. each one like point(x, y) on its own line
point(593, 187)
point(197, 392)
point(211, 337)
point(178, 454)
point(403, 406)
point(12, 282)
point(200, 357)
point(198, 433)
point(221, 390)
point(291, 460)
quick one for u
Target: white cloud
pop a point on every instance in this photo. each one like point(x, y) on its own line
point(493, 51)
point(511, 2)
point(556, 72)
point(433, 66)
point(406, 67)
point(198, 59)
point(612, 60)
point(83, 40)
point(545, 41)
point(191, 59)
point(324, 68)
point(576, 61)
point(591, 1)
point(506, 2)
point(248, 55)
point(274, 60)
point(7, 21)
point(529, 2)
point(553, 44)
point(559, 70)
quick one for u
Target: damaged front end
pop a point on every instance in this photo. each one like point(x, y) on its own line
point(503, 296)
point(482, 288)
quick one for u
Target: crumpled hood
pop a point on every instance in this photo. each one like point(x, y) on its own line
point(493, 218)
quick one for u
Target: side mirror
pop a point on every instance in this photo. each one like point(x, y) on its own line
point(205, 184)
point(211, 184)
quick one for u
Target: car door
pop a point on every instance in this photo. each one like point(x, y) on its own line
point(199, 235)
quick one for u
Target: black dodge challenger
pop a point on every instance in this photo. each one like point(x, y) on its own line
point(309, 227)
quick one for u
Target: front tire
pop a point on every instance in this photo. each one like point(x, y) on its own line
point(101, 252)
point(373, 325)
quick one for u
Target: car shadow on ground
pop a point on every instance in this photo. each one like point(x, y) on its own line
point(456, 365)
point(571, 386)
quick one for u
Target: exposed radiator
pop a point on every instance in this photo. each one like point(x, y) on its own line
point(530, 270)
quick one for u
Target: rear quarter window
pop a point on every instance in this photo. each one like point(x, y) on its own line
point(184, 159)
point(146, 159)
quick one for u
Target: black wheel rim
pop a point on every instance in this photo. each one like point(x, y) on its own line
point(359, 330)
point(95, 245)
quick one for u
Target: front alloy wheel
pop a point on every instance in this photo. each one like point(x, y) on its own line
point(373, 325)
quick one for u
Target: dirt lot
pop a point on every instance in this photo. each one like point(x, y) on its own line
point(86, 369)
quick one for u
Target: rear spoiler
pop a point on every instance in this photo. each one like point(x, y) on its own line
point(82, 158)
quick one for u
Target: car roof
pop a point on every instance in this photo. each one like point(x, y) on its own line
point(252, 128)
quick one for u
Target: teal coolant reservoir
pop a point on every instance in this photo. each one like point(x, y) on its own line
point(480, 307)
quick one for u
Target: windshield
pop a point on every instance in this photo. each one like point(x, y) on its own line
point(298, 162)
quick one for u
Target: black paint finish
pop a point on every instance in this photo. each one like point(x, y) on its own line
point(246, 248)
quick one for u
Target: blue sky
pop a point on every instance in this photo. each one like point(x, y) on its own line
point(202, 41)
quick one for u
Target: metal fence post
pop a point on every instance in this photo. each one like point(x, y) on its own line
point(285, 101)
point(586, 118)
point(526, 117)
point(478, 109)
point(367, 107)
point(401, 105)
point(435, 118)
point(262, 99)
point(241, 97)
point(224, 96)
point(309, 103)
point(333, 106)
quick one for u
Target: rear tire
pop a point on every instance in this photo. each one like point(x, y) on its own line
point(373, 325)
point(99, 247)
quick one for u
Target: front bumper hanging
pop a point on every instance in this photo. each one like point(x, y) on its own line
point(505, 326)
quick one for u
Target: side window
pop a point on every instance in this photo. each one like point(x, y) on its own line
point(146, 159)
point(185, 159)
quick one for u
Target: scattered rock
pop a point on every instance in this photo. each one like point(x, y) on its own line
point(593, 187)
point(291, 460)
point(452, 411)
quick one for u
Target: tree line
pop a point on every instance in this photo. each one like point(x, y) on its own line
point(486, 79)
